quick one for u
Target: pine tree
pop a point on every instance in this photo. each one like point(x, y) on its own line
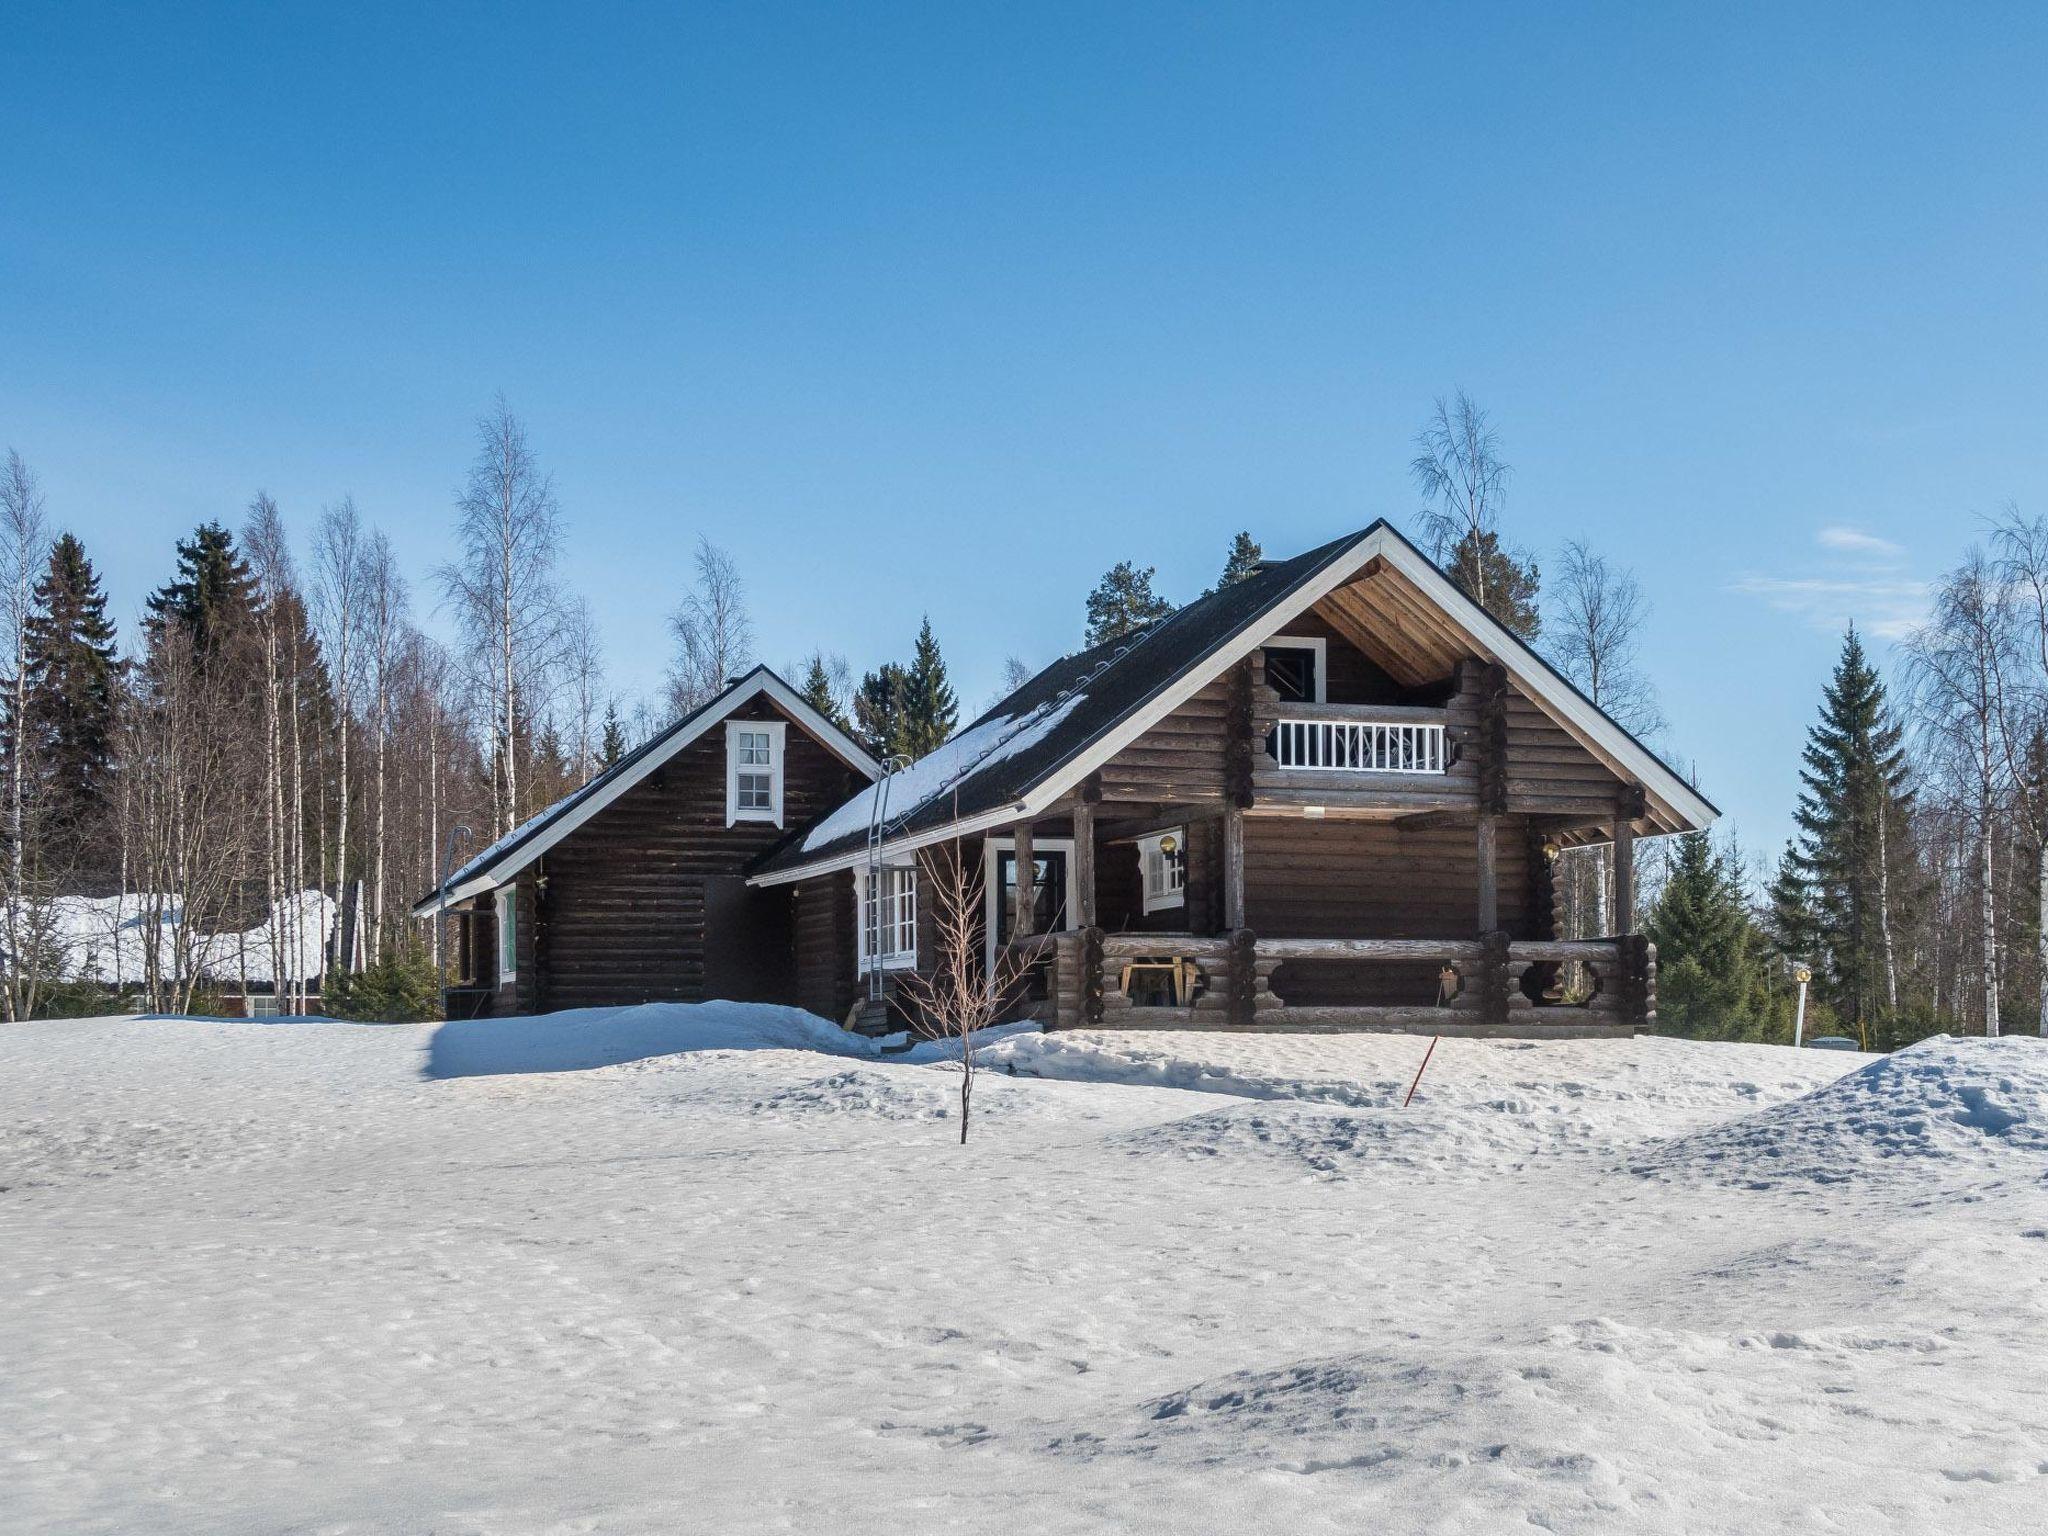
point(818, 692)
point(1244, 560)
point(214, 591)
point(1479, 564)
point(878, 711)
point(74, 685)
point(930, 709)
point(1123, 603)
point(613, 746)
point(1846, 887)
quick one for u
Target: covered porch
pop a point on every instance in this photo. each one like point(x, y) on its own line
point(1352, 866)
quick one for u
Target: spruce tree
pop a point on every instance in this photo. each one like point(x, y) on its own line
point(1479, 564)
point(1243, 560)
point(818, 692)
point(1710, 980)
point(74, 685)
point(878, 712)
point(212, 594)
point(1123, 603)
point(612, 746)
point(930, 709)
point(1846, 887)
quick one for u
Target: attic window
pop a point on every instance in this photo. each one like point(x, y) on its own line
point(753, 770)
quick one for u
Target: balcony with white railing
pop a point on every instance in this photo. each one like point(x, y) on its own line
point(1360, 746)
point(1395, 757)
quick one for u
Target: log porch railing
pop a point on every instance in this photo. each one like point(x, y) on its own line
point(1501, 986)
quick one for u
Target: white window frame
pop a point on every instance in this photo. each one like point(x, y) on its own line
point(262, 1005)
point(1314, 643)
point(1159, 896)
point(991, 893)
point(505, 903)
point(899, 887)
point(777, 732)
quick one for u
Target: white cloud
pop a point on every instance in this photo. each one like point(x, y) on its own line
point(1854, 541)
point(1853, 577)
point(1889, 607)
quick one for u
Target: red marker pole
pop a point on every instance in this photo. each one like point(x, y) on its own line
point(1421, 1069)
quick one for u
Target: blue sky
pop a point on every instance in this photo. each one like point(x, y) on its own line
point(943, 309)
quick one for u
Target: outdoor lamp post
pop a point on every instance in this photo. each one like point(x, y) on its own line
point(1801, 974)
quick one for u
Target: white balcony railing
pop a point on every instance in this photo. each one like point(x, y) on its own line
point(1359, 746)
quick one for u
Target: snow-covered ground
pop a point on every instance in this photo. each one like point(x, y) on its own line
point(719, 1270)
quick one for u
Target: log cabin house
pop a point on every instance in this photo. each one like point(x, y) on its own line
point(1330, 796)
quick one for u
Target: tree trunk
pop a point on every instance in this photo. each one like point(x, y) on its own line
point(1987, 913)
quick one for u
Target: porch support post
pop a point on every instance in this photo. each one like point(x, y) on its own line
point(1027, 880)
point(1489, 876)
point(1090, 948)
point(1233, 869)
point(1627, 807)
point(1084, 863)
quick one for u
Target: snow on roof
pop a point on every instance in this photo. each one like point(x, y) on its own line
point(939, 770)
point(107, 938)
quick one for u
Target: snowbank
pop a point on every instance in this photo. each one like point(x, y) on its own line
point(1982, 1103)
point(581, 1038)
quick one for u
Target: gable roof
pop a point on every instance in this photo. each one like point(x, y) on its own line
point(530, 839)
point(1063, 724)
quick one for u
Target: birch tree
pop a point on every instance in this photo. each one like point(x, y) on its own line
point(714, 637)
point(385, 624)
point(341, 580)
point(1594, 627)
point(505, 593)
point(24, 551)
point(1956, 661)
point(2022, 545)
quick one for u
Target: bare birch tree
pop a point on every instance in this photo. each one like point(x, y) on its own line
point(24, 551)
point(1462, 477)
point(340, 596)
point(2022, 545)
point(1597, 612)
point(269, 555)
point(385, 603)
point(958, 997)
point(583, 667)
point(714, 637)
point(505, 593)
point(1955, 662)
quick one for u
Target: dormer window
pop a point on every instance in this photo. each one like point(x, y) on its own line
point(753, 770)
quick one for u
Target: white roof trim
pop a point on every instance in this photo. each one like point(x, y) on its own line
point(691, 728)
point(1530, 671)
point(1542, 683)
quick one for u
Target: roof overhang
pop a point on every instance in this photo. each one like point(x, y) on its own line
point(1536, 677)
point(560, 821)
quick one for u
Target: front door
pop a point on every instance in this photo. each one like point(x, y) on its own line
point(1049, 903)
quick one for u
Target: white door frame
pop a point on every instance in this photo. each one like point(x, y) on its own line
point(991, 892)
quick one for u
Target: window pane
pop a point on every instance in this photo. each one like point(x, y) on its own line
point(1291, 673)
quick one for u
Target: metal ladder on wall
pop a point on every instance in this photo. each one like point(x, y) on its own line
point(872, 1016)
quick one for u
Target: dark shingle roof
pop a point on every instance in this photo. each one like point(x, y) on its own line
point(1012, 749)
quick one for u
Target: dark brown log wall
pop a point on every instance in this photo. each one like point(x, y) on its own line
point(1332, 879)
point(825, 954)
point(1179, 761)
point(623, 918)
